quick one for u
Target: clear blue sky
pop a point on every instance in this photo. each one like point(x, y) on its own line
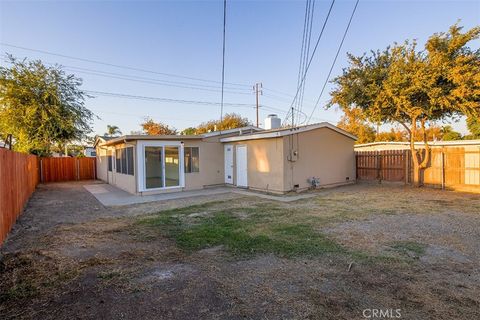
point(185, 38)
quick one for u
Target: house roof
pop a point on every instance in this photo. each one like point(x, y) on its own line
point(274, 133)
point(431, 143)
point(116, 140)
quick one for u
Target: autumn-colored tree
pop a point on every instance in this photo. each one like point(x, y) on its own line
point(152, 128)
point(41, 106)
point(392, 135)
point(353, 121)
point(229, 121)
point(415, 88)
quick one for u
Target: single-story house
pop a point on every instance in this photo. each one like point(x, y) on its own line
point(276, 160)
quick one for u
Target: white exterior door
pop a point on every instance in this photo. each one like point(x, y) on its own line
point(228, 163)
point(241, 164)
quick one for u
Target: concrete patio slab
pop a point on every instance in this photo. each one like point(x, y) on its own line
point(109, 195)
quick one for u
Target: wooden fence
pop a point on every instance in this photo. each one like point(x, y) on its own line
point(19, 175)
point(67, 169)
point(449, 168)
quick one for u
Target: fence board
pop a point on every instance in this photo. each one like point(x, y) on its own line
point(18, 178)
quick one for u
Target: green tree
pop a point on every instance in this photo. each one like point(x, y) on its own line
point(448, 134)
point(151, 127)
point(189, 131)
point(353, 121)
point(113, 131)
point(473, 125)
point(229, 121)
point(415, 88)
point(41, 106)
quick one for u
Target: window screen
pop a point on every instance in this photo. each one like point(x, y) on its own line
point(118, 154)
point(130, 166)
point(110, 161)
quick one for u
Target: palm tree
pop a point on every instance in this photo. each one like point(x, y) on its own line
point(112, 131)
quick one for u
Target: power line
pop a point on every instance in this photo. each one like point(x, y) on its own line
point(223, 55)
point(334, 60)
point(302, 93)
point(119, 66)
point(147, 98)
point(313, 53)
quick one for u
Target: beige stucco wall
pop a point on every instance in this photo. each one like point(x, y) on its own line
point(211, 171)
point(322, 153)
point(265, 164)
point(102, 163)
point(123, 181)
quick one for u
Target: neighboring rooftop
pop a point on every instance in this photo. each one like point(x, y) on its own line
point(431, 143)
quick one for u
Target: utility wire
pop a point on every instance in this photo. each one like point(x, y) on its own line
point(118, 66)
point(301, 65)
point(147, 98)
point(334, 60)
point(223, 56)
point(307, 53)
point(313, 53)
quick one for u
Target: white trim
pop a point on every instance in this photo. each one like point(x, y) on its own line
point(141, 164)
point(225, 163)
point(288, 131)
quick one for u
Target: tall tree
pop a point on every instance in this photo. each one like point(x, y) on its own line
point(415, 88)
point(448, 134)
point(151, 127)
point(473, 125)
point(229, 121)
point(354, 121)
point(113, 131)
point(41, 106)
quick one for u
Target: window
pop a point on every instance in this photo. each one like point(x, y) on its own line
point(124, 157)
point(130, 166)
point(192, 159)
point(110, 161)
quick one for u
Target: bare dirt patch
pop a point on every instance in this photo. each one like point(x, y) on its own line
point(331, 256)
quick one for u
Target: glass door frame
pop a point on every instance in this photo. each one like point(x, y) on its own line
point(141, 168)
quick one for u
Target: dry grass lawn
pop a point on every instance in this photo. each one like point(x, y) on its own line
point(328, 257)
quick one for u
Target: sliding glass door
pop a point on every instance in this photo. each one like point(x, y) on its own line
point(172, 167)
point(162, 167)
point(153, 167)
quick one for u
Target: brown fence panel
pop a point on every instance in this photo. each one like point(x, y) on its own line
point(67, 169)
point(388, 165)
point(86, 168)
point(58, 169)
point(18, 178)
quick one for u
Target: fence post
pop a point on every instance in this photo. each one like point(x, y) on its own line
point(443, 168)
